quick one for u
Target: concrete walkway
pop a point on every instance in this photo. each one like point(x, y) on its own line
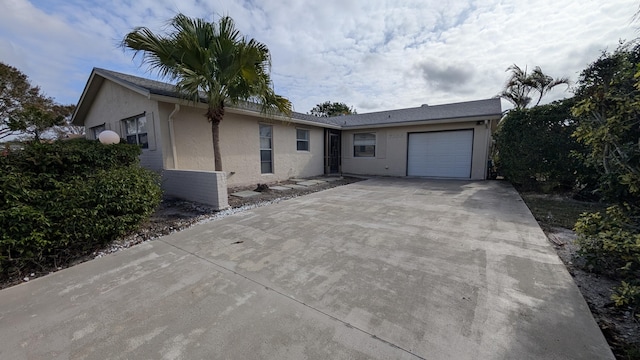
point(380, 269)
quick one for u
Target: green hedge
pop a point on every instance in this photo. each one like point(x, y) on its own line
point(62, 200)
point(536, 150)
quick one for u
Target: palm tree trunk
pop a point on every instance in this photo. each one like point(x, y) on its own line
point(215, 117)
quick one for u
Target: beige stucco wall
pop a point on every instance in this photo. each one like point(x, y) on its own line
point(391, 149)
point(240, 147)
point(112, 104)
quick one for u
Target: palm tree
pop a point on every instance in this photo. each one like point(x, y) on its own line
point(517, 88)
point(543, 83)
point(210, 62)
point(520, 84)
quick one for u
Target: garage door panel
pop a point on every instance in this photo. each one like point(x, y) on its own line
point(440, 154)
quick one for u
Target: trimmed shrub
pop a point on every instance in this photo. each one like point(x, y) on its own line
point(62, 200)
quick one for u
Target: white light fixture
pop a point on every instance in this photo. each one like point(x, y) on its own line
point(109, 137)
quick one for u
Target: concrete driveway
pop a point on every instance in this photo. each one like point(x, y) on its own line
point(380, 269)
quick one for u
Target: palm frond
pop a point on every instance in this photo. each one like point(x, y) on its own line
point(210, 59)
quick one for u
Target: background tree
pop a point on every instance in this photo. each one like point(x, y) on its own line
point(213, 62)
point(23, 107)
point(328, 109)
point(543, 83)
point(39, 116)
point(67, 129)
point(609, 108)
point(520, 84)
point(15, 91)
point(517, 88)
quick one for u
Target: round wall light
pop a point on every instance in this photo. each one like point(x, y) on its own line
point(108, 137)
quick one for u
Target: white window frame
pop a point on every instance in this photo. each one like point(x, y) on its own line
point(137, 136)
point(360, 145)
point(300, 141)
point(266, 146)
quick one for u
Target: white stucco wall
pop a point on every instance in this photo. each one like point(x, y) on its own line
point(240, 147)
point(391, 149)
point(112, 104)
point(207, 187)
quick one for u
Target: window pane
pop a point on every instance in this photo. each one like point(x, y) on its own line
point(364, 139)
point(303, 145)
point(265, 168)
point(130, 126)
point(302, 134)
point(142, 140)
point(142, 124)
point(97, 130)
point(364, 151)
point(265, 131)
point(265, 143)
point(265, 155)
point(132, 139)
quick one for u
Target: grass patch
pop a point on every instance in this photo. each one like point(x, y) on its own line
point(558, 211)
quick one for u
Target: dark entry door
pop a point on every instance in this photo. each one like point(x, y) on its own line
point(332, 156)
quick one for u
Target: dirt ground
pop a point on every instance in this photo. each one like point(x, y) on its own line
point(620, 326)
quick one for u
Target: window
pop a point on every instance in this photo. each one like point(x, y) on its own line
point(364, 145)
point(302, 140)
point(96, 130)
point(136, 130)
point(266, 155)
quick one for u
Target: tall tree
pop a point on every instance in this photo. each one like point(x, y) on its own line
point(24, 109)
point(517, 88)
point(15, 90)
point(38, 117)
point(520, 84)
point(210, 61)
point(543, 83)
point(67, 129)
point(609, 108)
point(328, 109)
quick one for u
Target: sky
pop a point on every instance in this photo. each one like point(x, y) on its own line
point(370, 54)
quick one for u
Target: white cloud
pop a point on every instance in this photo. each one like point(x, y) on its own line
point(373, 55)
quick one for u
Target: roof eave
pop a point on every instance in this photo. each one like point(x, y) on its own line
point(233, 110)
point(424, 122)
point(79, 111)
point(280, 118)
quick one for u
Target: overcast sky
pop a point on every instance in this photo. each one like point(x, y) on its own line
point(371, 54)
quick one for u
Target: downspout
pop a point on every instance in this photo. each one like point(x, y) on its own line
point(172, 136)
point(487, 147)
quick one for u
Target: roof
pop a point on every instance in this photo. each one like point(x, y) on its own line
point(148, 88)
point(463, 110)
point(152, 86)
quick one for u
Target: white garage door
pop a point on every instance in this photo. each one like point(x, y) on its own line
point(440, 154)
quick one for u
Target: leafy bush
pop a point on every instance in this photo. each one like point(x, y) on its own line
point(610, 243)
point(70, 158)
point(535, 148)
point(63, 199)
point(608, 99)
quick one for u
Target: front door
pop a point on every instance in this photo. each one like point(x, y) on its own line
point(332, 152)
